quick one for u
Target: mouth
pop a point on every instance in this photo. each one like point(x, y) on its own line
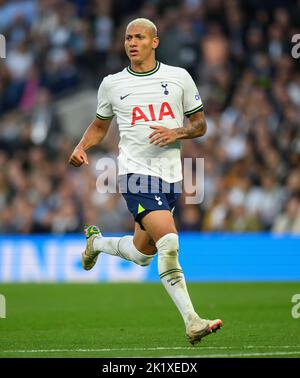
point(133, 52)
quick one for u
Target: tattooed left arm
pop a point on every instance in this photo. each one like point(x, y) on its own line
point(163, 136)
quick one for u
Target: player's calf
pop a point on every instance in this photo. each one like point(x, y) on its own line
point(172, 277)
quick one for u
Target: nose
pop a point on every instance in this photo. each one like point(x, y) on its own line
point(132, 43)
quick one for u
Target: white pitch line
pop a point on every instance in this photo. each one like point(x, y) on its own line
point(235, 355)
point(152, 349)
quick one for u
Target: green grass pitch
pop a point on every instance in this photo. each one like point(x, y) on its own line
point(140, 320)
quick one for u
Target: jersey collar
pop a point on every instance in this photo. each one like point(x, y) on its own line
point(147, 73)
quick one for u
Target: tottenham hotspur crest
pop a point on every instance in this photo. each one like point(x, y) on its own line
point(159, 202)
point(166, 92)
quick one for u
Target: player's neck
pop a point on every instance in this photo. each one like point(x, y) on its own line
point(145, 66)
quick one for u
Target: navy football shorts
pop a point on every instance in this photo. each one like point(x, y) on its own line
point(144, 194)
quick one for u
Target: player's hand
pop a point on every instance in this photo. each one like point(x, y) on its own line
point(78, 157)
point(162, 136)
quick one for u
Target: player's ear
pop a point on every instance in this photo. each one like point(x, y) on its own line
point(155, 43)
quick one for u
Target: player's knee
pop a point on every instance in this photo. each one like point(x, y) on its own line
point(168, 245)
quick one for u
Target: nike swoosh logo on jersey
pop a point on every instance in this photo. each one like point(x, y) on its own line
point(122, 97)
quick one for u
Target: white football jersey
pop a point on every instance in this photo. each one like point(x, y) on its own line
point(160, 97)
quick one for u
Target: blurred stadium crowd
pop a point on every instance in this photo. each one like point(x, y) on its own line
point(239, 53)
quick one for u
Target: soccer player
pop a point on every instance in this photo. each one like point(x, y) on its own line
point(150, 100)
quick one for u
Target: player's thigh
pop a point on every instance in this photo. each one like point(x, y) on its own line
point(143, 241)
point(159, 223)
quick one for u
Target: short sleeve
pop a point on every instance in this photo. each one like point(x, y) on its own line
point(104, 108)
point(192, 102)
